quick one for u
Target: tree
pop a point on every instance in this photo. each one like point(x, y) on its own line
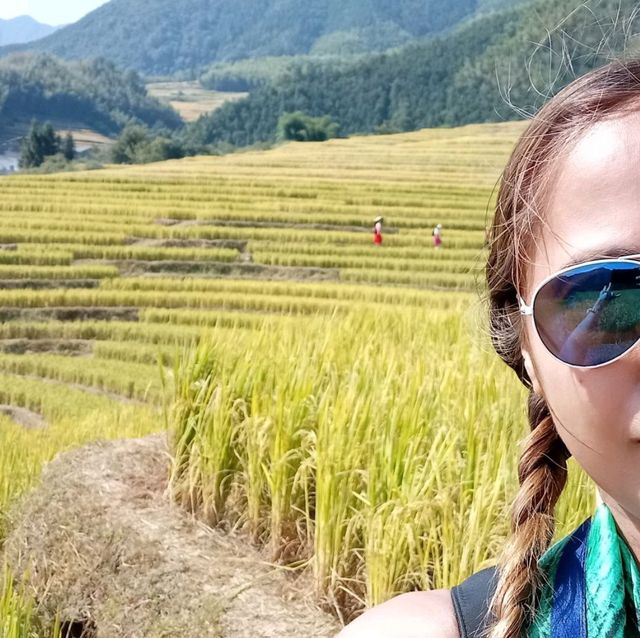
point(126, 148)
point(137, 145)
point(41, 142)
point(159, 149)
point(292, 126)
point(69, 147)
point(303, 128)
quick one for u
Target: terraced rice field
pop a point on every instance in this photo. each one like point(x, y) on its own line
point(154, 254)
point(377, 431)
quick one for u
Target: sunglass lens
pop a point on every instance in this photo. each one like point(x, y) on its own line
point(590, 314)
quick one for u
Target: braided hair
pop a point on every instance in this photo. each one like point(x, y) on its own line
point(542, 471)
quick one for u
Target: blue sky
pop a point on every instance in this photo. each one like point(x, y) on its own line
point(52, 12)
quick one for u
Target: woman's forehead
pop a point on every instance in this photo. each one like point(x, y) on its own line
point(593, 204)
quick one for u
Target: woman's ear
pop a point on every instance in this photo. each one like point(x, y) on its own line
point(531, 371)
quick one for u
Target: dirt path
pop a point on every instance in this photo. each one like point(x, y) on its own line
point(67, 347)
point(233, 269)
point(120, 561)
point(238, 223)
point(26, 418)
point(234, 244)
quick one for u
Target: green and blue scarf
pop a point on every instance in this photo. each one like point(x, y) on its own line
point(592, 585)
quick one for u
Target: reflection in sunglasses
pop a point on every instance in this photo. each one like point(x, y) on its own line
point(590, 314)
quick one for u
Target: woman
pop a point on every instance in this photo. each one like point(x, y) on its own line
point(377, 230)
point(563, 279)
point(436, 233)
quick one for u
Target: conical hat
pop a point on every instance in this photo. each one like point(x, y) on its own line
point(379, 218)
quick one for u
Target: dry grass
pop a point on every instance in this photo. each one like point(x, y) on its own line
point(105, 548)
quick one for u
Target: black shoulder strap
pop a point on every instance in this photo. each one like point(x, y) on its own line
point(471, 600)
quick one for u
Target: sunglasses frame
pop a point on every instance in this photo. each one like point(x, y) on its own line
point(528, 310)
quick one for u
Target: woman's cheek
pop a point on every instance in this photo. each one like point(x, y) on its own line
point(590, 410)
point(577, 402)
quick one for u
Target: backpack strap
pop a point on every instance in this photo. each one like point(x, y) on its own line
point(471, 600)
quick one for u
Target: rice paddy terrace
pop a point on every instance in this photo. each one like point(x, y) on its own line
point(346, 359)
point(99, 269)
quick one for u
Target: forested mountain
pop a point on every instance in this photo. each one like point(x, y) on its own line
point(94, 94)
point(164, 36)
point(500, 63)
point(498, 66)
point(22, 29)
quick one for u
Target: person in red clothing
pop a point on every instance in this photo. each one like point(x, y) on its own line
point(437, 236)
point(377, 230)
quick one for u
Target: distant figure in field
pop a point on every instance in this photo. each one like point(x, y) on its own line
point(377, 230)
point(437, 238)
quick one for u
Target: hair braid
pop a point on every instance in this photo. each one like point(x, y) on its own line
point(542, 473)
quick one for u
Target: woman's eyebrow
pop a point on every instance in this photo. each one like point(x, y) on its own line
point(610, 252)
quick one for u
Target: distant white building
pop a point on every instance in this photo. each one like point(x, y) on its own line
point(8, 163)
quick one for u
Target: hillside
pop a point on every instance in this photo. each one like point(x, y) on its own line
point(499, 66)
point(22, 29)
point(93, 94)
point(165, 36)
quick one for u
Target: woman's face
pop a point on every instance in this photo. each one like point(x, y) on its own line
point(594, 207)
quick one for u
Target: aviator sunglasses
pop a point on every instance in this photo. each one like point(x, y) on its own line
point(588, 315)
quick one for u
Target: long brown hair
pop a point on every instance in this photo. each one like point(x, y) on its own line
point(542, 470)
